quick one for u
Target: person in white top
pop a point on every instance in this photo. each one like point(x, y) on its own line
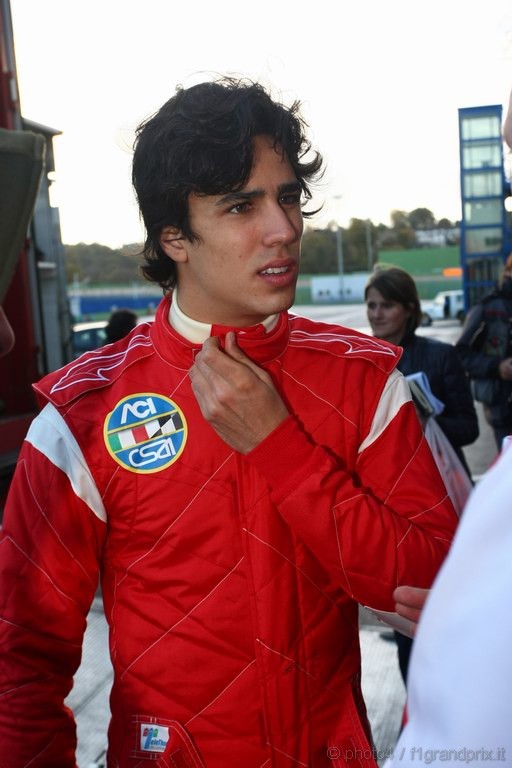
point(460, 678)
point(507, 126)
point(459, 688)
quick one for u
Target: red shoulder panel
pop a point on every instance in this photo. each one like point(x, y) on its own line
point(95, 369)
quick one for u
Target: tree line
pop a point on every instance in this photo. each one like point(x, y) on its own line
point(361, 243)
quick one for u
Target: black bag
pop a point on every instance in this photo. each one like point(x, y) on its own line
point(486, 391)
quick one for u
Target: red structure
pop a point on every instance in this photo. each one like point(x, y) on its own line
point(33, 290)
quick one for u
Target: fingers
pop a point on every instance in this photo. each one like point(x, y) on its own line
point(505, 369)
point(216, 359)
point(412, 614)
point(226, 363)
point(232, 349)
point(222, 379)
point(410, 601)
point(410, 629)
point(414, 597)
point(236, 398)
point(213, 366)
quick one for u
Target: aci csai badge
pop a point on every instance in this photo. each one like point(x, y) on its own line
point(145, 432)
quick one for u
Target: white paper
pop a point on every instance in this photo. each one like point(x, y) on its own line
point(421, 379)
point(404, 626)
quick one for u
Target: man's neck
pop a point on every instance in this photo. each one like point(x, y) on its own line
point(196, 331)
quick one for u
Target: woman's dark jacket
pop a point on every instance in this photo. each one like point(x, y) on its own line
point(448, 382)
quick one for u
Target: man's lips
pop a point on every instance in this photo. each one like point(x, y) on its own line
point(280, 268)
point(275, 271)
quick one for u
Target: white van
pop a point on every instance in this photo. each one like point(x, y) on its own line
point(446, 305)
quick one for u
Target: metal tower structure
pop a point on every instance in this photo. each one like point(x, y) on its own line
point(485, 233)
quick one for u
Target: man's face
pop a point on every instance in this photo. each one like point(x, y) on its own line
point(245, 264)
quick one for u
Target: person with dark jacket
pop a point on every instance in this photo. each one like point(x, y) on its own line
point(394, 314)
point(120, 323)
point(485, 348)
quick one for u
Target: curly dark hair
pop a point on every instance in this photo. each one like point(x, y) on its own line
point(201, 141)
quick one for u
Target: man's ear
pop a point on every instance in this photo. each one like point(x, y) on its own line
point(172, 243)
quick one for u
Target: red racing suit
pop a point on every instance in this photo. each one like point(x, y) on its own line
point(230, 583)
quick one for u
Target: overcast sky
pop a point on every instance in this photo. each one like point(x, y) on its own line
point(380, 81)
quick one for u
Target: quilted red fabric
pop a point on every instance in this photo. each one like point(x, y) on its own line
point(231, 583)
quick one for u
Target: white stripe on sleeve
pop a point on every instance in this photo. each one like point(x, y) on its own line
point(394, 395)
point(50, 434)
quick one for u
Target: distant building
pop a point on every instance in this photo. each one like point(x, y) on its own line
point(438, 237)
point(339, 288)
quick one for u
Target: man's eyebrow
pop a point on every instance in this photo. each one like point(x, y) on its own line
point(291, 186)
point(236, 197)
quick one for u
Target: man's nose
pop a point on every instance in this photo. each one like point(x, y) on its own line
point(281, 226)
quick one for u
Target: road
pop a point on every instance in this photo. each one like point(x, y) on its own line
point(350, 315)
point(354, 316)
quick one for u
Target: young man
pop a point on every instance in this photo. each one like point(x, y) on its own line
point(241, 479)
